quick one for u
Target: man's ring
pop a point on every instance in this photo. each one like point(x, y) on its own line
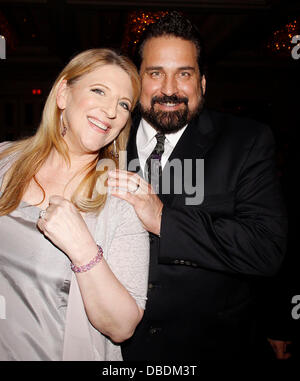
point(42, 213)
point(137, 187)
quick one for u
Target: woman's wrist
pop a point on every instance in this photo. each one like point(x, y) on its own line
point(88, 265)
point(80, 255)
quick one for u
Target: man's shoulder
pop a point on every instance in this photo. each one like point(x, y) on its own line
point(236, 125)
point(234, 120)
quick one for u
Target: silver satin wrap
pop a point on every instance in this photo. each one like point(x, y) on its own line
point(45, 317)
point(34, 281)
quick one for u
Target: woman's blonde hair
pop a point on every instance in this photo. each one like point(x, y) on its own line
point(33, 151)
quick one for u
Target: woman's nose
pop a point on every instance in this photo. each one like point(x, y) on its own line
point(110, 108)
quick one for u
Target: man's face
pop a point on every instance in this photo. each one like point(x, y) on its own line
point(172, 90)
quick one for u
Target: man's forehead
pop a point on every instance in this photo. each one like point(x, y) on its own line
point(169, 52)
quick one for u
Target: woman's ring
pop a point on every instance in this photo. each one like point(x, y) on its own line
point(42, 213)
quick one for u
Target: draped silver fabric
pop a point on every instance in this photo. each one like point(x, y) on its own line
point(34, 281)
point(44, 314)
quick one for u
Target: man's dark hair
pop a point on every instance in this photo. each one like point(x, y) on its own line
point(172, 24)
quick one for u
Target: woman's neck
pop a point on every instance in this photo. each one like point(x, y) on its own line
point(56, 161)
point(58, 177)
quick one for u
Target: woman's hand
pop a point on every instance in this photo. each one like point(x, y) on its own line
point(66, 228)
point(109, 306)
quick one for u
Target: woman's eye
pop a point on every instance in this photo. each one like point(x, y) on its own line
point(125, 106)
point(98, 91)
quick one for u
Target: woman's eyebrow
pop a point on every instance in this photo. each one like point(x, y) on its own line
point(100, 84)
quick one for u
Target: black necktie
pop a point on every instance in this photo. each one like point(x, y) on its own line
point(153, 163)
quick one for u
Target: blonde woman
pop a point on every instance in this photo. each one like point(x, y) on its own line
point(54, 219)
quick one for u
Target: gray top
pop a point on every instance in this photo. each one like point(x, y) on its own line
point(35, 279)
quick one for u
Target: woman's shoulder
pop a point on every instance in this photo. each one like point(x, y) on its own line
point(112, 209)
point(116, 204)
point(122, 214)
point(118, 212)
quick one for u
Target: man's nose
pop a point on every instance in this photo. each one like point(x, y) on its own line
point(169, 86)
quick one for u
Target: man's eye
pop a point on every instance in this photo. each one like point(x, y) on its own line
point(98, 91)
point(155, 74)
point(185, 74)
point(125, 106)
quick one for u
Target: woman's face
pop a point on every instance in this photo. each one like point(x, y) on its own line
point(96, 108)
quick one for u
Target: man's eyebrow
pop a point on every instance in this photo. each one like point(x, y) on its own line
point(154, 68)
point(187, 68)
point(161, 68)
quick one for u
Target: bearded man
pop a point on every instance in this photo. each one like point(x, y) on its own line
point(208, 254)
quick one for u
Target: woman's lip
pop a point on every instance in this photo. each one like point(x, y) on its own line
point(104, 126)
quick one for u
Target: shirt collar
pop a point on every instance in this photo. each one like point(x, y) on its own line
point(148, 133)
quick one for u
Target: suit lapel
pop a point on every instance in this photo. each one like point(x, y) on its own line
point(132, 153)
point(196, 139)
point(194, 143)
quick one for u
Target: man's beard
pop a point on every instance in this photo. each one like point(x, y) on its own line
point(168, 122)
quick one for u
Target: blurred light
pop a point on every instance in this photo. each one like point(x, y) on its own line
point(137, 21)
point(281, 40)
point(36, 91)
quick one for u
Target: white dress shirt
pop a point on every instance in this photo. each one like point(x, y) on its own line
point(146, 142)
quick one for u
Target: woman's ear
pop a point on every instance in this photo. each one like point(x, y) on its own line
point(61, 96)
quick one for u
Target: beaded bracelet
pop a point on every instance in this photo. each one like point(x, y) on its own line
point(92, 263)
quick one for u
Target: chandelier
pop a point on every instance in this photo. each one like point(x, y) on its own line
point(136, 23)
point(281, 40)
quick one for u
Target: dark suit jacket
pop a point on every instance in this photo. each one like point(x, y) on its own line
point(207, 263)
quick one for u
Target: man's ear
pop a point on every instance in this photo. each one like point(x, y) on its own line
point(61, 96)
point(203, 83)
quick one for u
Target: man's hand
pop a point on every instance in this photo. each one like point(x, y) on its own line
point(135, 190)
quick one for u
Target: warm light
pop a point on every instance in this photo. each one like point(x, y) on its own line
point(36, 91)
point(136, 24)
point(280, 41)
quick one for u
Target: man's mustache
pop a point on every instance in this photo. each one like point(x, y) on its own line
point(169, 99)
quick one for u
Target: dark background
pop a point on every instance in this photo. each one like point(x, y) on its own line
point(250, 72)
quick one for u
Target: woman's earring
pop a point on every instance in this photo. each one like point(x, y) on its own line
point(114, 153)
point(63, 128)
